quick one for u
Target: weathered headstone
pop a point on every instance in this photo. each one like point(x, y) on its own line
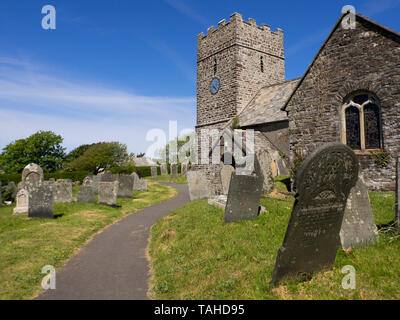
point(265, 161)
point(125, 187)
point(397, 206)
point(174, 170)
point(22, 199)
point(139, 184)
point(108, 177)
point(184, 167)
point(62, 190)
point(88, 181)
point(281, 167)
point(358, 226)
point(96, 180)
point(41, 201)
point(32, 176)
point(86, 194)
point(108, 192)
point(322, 185)
point(164, 169)
point(226, 174)
point(153, 172)
point(244, 196)
point(199, 186)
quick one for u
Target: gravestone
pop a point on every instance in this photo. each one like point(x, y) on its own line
point(86, 194)
point(139, 184)
point(41, 201)
point(244, 195)
point(88, 181)
point(22, 199)
point(226, 174)
point(153, 172)
point(125, 186)
point(397, 205)
point(198, 185)
point(62, 190)
point(108, 192)
point(108, 177)
point(32, 176)
point(164, 169)
point(174, 170)
point(184, 167)
point(95, 185)
point(322, 185)
point(265, 161)
point(281, 167)
point(358, 226)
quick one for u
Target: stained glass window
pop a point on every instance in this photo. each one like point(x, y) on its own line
point(353, 128)
point(372, 127)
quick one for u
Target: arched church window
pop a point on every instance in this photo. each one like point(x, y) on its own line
point(362, 122)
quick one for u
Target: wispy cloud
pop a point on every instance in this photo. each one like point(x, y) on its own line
point(31, 100)
point(308, 41)
point(188, 11)
point(372, 8)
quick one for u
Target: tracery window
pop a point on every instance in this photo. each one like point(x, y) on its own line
point(362, 122)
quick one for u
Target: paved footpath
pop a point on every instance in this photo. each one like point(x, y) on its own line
point(113, 264)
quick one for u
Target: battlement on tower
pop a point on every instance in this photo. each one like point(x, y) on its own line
point(236, 31)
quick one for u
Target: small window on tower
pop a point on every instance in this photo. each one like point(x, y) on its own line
point(215, 66)
point(262, 64)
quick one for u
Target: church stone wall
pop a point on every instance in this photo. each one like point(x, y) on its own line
point(366, 58)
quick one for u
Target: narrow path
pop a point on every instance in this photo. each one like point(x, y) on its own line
point(113, 265)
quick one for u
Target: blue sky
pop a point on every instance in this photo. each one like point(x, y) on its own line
point(113, 70)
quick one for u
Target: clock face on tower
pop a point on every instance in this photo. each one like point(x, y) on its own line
point(214, 86)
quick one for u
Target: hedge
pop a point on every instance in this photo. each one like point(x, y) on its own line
point(74, 176)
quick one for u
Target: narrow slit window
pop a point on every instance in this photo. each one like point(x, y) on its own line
point(215, 67)
point(262, 64)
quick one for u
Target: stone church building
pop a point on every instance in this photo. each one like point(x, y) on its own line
point(350, 93)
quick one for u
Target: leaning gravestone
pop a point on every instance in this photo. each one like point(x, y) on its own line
point(244, 195)
point(265, 161)
point(164, 169)
point(32, 176)
point(358, 226)
point(62, 190)
point(198, 185)
point(125, 186)
point(322, 185)
point(108, 192)
point(153, 172)
point(86, 194)
point(22, 199)
point(174, 170)
point(226, 174)
point(41, 201)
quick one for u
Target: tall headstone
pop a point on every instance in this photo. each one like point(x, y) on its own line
point(95, 185)
point(153, 172)
point(198, 185)
point(86, 194)
point(174, 170)
point(265, 161)
point(22, 199)
point(125, 186)
point(41, 201)
point(32, 176)
point(397, 206)
point(184, 167)
point(226, 174)
point(108, 192)
point(62, 190)
point(322, 185)
point(244, 195)
point(358, 226)
point(164, 169)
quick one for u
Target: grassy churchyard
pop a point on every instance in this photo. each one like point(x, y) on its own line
point(29, 244)
point(195, 255)
point(181, 179)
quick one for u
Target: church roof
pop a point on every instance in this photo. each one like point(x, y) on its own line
point(266, 105)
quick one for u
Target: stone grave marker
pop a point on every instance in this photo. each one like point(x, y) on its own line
point(174, 170)
point(86, 194)
point(153, 172)
point(41, 201)
point(358, 226)
point(62, 190)
point(108, 177)
point(22, 199)
point(32, 176)
point(184, 167)
point(198, 185)
point(125, 186)
point(265, 161)
point(244, 195)
point(139, 184)
point(322, 185)
point(108, 192)
point(226, 174)
point(164, 169)
point(95, 185)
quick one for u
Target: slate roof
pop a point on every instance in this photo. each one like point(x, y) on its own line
point(266, 105)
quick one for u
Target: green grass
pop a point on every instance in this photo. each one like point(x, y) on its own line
point(29, 244)
point(197, 256)
point(179, 180)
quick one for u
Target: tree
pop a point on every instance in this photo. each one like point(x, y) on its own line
point(99, 155)
point(43, 148)
point(179, 150)
point(77, 152)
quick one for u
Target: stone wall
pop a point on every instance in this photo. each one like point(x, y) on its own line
point(366, 59)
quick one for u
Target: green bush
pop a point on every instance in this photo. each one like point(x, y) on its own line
point(74, 176)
